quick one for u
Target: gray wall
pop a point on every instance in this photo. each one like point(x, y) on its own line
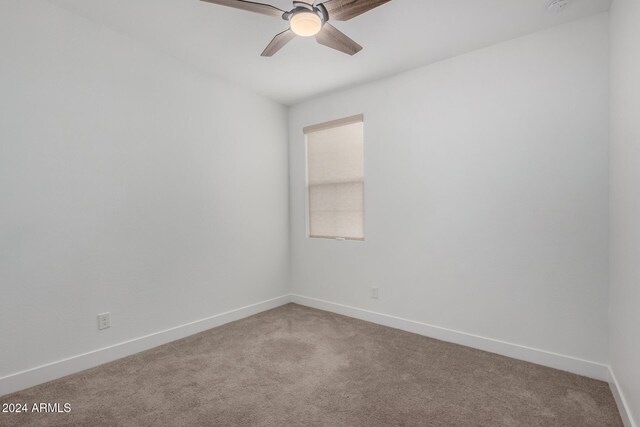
point(129, 183)
point(486, 187)
point(625, 200)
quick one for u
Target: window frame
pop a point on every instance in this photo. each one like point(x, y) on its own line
point(358, 118)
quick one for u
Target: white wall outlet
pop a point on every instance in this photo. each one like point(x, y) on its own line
point(104, 321)
point(374, 292)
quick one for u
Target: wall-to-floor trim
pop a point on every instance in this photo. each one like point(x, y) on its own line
point(623, 406)
point(61, 368)
point(574, 365)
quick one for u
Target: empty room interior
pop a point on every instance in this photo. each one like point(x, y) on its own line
point(323, 213)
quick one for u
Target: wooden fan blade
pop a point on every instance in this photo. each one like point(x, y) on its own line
point(331, 37)
point(278, 42)
point(343, 10)
point(265, 9)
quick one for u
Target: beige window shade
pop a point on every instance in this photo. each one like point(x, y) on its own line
point(335, 179)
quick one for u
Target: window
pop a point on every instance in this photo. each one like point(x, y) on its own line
point(335, 179)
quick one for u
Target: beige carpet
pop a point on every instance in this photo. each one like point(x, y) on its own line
point(296, 366)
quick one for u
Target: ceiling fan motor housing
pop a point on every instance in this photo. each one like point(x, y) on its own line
point(299, 6)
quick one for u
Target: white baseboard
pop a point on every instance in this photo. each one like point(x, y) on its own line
point(562, 362)
point(623, 406)
point(61, 368)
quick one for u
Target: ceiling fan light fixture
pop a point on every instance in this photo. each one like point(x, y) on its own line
point(306, 24)
point(310, 18)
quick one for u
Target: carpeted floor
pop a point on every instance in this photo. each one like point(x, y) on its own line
point(296, 366)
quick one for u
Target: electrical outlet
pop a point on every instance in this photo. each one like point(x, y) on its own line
point(104, 321)
point(374, 292)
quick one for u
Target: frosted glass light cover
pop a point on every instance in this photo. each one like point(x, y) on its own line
point(305, 24)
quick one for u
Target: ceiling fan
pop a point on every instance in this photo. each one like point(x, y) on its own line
point(308, 19)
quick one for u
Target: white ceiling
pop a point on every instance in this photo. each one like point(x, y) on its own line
point(397, 36)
